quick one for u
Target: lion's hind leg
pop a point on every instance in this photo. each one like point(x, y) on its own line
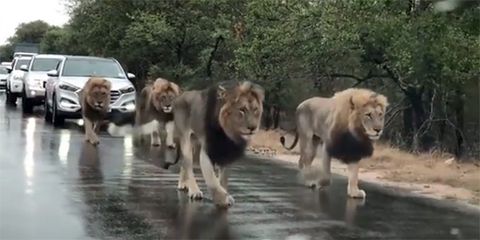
point(308, 149)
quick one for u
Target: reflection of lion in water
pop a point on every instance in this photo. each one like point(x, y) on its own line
point(95, 101)
point(346, 123)
point(156, 103)
point(221, 119)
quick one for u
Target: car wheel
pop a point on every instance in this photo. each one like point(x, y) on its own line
point(27, 105)
point(11, 98)
point(57, 120)
point(48, 113)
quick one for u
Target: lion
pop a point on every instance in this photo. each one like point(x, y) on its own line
point(95, 102)
point(221, 119)
point(346, 126)
point(156, 103)
point(153, 114)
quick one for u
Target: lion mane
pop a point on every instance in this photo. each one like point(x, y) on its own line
point(95, 102)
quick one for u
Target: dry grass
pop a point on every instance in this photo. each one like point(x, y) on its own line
point(396, 165)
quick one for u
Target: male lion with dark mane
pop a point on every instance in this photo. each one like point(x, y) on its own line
point(346, 124)
point(221, 118)
point(95, 102)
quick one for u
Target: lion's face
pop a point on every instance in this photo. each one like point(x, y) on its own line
point(98, 94)
point(163, 100)
point(242, 111)
point(373, 119)
point(164, 94)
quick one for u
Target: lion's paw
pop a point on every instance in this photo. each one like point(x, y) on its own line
point(182, 186)
point(357, 193)
point(195, 195)
point(222, 199)
point(94, 141)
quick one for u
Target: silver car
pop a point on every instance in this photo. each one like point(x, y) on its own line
point(15, 79)
point(64, 84)
point(35, 78)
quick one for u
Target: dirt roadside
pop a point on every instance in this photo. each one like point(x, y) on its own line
point(435, 175)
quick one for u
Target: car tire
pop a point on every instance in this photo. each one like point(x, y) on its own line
point(27, 105)
point(57, 120)
point(48, 113)
point(11, 98)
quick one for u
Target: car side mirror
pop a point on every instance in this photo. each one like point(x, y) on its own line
point(52, 73)
point(130, 76)
point(9, 69)
point(24, 68)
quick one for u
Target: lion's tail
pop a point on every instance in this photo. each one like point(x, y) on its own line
point(148, 128)
point(295, 141)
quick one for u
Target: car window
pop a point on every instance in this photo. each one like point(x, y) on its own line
point(45, 64)
point(21, 62)
point(92, 67)
point(3, 70)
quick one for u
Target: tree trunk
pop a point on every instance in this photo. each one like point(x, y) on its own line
point(276, 117)
point(459, 116)
point(418, 117)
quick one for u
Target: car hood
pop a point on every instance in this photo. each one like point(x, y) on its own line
point(38, 75)
point(3, 76)
point(117, 83)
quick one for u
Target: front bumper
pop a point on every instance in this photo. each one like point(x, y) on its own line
point(122, 106)
point(16, 86)
point(114, 115)
point(3, 84)
point(35, 93)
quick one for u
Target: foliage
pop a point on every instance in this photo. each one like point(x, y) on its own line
point(419, 53)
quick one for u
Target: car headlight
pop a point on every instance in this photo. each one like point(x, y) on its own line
point(68, 87)
point(127, 90)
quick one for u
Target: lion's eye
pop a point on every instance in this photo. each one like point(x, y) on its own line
point(369, 115)
point(243, 110)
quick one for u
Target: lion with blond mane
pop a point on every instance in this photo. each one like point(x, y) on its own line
point(345, 126)
point(219, 122)
point(95, 102)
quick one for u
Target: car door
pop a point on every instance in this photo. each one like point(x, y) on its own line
point(52, 83)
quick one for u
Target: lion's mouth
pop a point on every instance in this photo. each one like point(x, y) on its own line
point(167, 109)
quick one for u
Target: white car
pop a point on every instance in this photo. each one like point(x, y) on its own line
point(3, 77)
point(35, 77)
point(15, 79)
point(64, 85)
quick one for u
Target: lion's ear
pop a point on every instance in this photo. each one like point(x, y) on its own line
point(175, 88)
point(352, 104)
point(221, 92)
point(382, 100)
point(258, 91)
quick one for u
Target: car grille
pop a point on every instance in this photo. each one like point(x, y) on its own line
point(114, 95)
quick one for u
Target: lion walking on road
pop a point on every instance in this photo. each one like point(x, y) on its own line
point(345, 126)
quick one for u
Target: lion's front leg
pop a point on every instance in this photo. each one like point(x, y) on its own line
point(90, 135)
point(326, 175)
point(169, 128)
point(220, 196)
point(187, 178)
point(155, 138)
point(352, 189)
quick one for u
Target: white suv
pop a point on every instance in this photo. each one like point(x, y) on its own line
point(15, 79)
point(64, 84)
point(35, 77)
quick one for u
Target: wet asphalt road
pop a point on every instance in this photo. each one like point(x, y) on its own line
point(53, 186)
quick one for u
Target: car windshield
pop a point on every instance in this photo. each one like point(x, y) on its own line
point(45, 64)
point(3, 70)
point(92, 67)
point(21, 62)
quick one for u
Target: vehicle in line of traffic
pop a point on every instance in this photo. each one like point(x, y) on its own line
point(3, 77)
point(15, 79)
point(23, 54)
point(35, 78)
point(64, 85)
point(6, 64)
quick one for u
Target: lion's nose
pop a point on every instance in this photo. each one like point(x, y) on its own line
point(252, 128)
point(377, 130)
